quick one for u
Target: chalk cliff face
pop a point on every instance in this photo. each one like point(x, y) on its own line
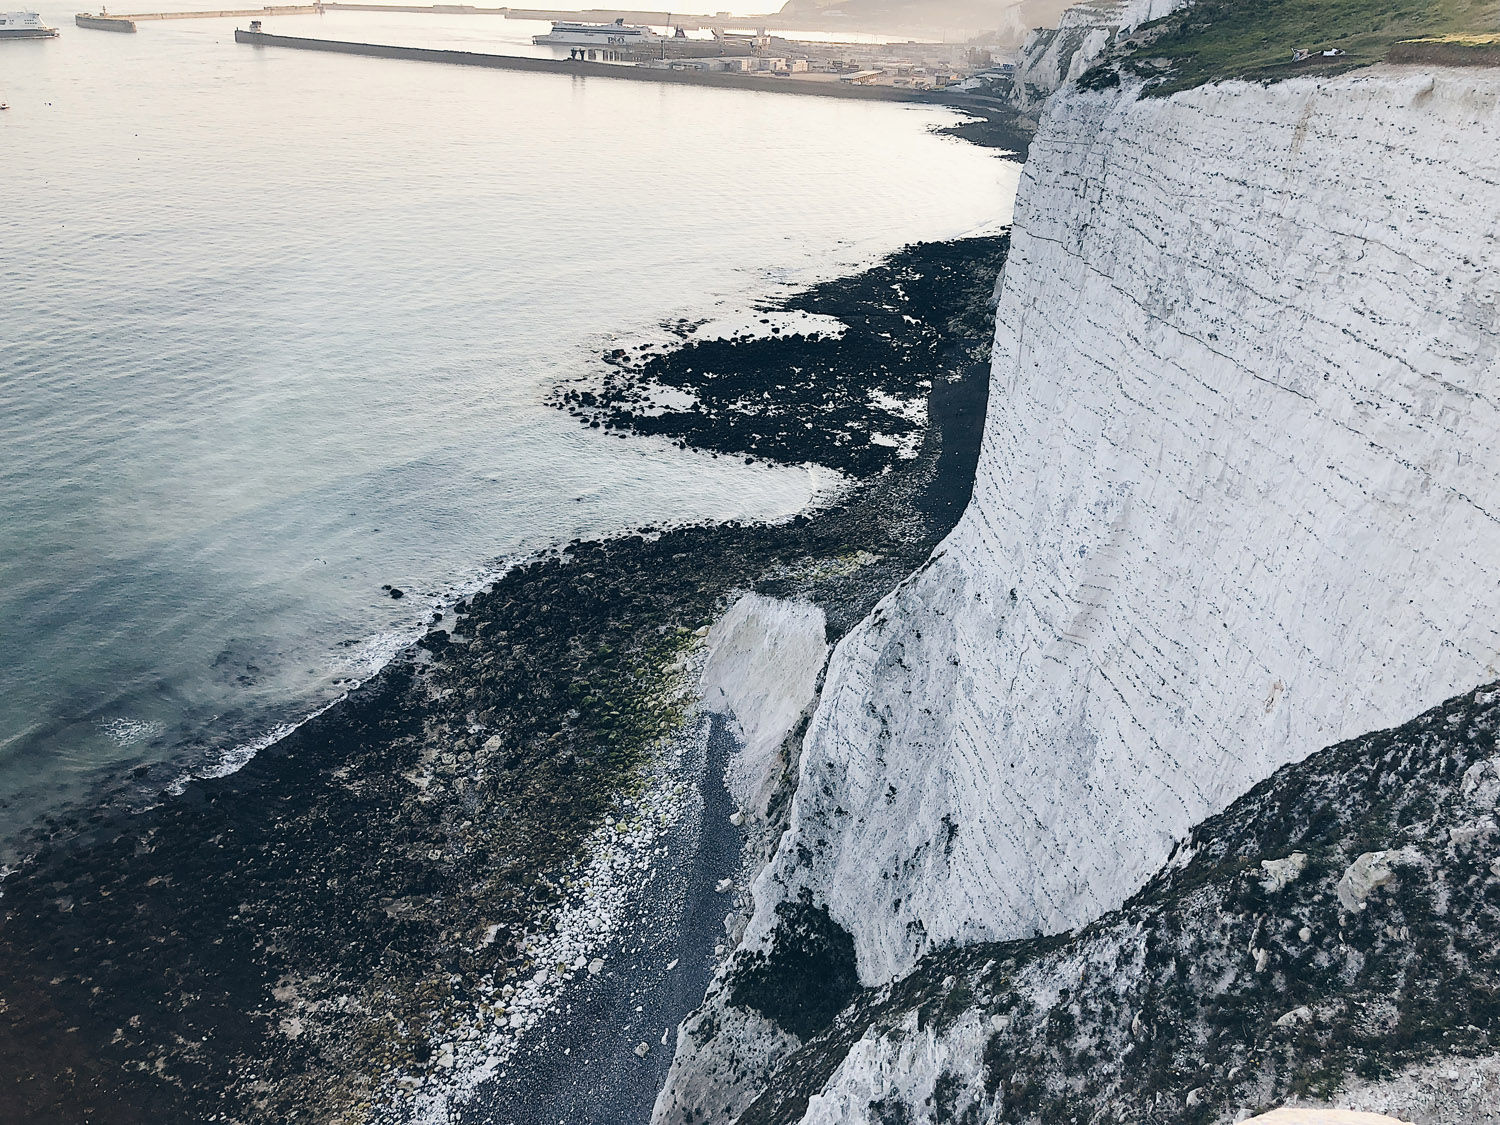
point(1238, 500)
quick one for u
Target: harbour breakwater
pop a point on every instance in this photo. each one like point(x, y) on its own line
point(584, 69)
point(655, 19)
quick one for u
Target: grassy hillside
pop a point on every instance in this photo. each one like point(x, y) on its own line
point(1215, 40)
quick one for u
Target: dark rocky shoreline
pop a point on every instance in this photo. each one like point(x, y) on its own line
point(825, 397)
point(279, 941)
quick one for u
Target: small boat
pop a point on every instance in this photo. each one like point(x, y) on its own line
point(24, 25)
point(617, 34)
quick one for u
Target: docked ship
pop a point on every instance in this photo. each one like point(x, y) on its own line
point(103, 21)
point(24, 25)
point(617, 34)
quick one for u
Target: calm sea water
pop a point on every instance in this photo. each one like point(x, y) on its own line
point(276, 328)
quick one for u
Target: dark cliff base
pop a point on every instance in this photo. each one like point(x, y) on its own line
point(1215, 990)
point(281, 940)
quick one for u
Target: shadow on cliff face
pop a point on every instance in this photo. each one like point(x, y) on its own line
point(807, 976)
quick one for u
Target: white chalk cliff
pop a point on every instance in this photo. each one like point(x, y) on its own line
point(1051, 56)
point(761, 673)
point(1239, 498)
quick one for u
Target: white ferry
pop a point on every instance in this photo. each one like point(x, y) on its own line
point(24, 25)
point(617, 34)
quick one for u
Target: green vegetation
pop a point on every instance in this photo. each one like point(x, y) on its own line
point(1463, 39)
point(1214, 40)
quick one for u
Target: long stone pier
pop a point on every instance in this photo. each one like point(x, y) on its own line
point(273, 10)
point(580, 69)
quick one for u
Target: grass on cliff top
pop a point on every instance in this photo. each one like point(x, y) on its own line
point(1463, 39)
point(1214, 40)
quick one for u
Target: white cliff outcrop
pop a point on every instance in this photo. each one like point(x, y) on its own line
point(761, 672)
point(1051, 57)
point(1238, 500)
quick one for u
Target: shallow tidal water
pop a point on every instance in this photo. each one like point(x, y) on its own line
point(278, 329)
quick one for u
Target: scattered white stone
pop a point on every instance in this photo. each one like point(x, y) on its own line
point(672, 964)
point(1295, 1016)
point(1195, 1096)
point(1281, 872)
point(1319, 1115)
point(724, 885)
point(736, 818)
point(641, 1049)
point(601, 900)
point(1305, 933)
point(1262, 959)
point(734, 926)
point(1481, 783)
point(1466, 834)
point(1367, 873)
